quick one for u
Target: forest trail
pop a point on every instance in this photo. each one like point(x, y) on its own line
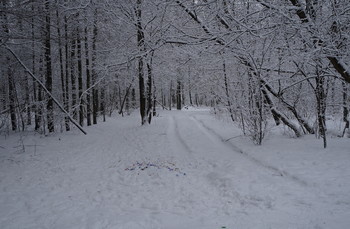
point(175, 173)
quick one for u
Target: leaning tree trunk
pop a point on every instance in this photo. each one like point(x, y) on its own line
point(291, 108)
point(279, 115)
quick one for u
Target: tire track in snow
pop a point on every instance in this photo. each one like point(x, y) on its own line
point(173, 132)
point(216, 175)
point(216, 137)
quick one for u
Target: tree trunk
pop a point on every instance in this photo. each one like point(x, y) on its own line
point(345, 110)
point(321, 107)
point(35, 97)
point(88, 78)
point(10, 76)
point(80, 79)
point(170, 94)
point(163, 98)
point(12, 97)
point(94, 74)
point(126, 99)
point(279, 115)
point(229, 105)
point(127, 103)
point(189, 86)
point(183, 98)
point(141, 46)
point(178, 95)
point(103, 104)
point(66, 105)
point(47, 45)
point(149, 92)
point(62, 72)
point(133, 98)
point(29, 116)
point(291, 108)
point(154, 113)
point(73, 79)
point(196, 99)
point(39, 117)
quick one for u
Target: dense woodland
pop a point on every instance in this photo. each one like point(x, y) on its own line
point(68, 64)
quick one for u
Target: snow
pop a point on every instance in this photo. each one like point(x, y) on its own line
point(187, 169)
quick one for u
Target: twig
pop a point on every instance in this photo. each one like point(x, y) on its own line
point(226, 140)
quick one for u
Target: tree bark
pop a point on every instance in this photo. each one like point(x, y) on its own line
point(62, 72)
point(88, 78)
point(12, 97)
point(345, 110)
point(94, 73)
point(11, 82)
point(80, 79)
point(178, 95)
point(149, 92)
point(103, 104)
point(73, 78)
point(321, 106)
point(47, 45)
point(29, 116)
point(141, 44)
point(189, 86)
point(154, 113)
point(39, 118)
point(229, 105)
point(66, 105)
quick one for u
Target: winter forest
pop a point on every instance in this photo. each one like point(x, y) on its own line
point(229, 113)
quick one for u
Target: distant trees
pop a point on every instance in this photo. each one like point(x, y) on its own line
point(287, 61)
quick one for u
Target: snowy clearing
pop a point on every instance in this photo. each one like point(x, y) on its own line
point(185, 170)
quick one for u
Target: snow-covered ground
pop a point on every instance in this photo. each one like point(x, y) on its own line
point(186, 170)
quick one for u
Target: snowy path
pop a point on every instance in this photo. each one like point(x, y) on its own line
point(176, 173)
